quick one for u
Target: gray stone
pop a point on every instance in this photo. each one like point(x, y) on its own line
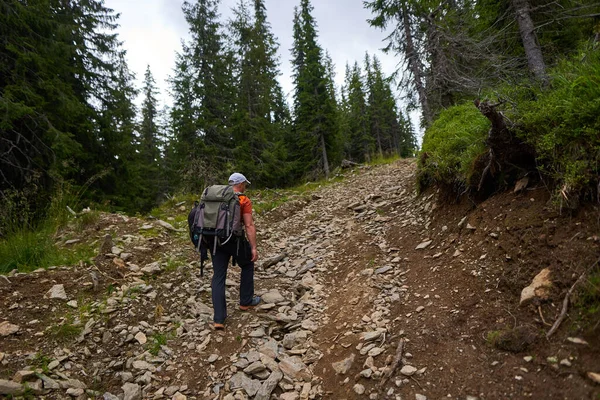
point(141, 338)
point(242, 381)
point(270, 348)
point(23, 375)
point(420, 397)
point(289, 396)
point(359, 389)
point(375, 351)
point(254, 368)
point(126, 377)
point(273, 296)
point(294, 368)
point(109, 396)
point(424, 245)
point(310, 325)
point(10, 387)
point(143, 365)
point(257, 333)
point(269, 362)
point(342, 367)
point(171, 390)
point(57, 292)
point(295, 338)
point(152, 268)
point(72, 384)
point(49, 383)
point(371, 336)
point(264, 393)
point(383, 269)
point(132, 391)
point(212, 358)
point(408, 370)
point(75, 392)
point(199, 308)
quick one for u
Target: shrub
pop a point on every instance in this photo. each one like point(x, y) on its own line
point(563, 125)
point(451, 145)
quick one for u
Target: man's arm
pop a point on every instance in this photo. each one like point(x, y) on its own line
point(251, 234)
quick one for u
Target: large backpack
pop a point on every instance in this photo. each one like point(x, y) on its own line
point(217, 215)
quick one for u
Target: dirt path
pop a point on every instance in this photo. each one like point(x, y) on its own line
point(358, 278)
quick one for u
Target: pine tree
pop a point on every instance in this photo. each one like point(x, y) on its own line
point(362, 143)
point(314, 109)
point(66, 97)
point(149, 157)
point(202, 87)
point(258, 122)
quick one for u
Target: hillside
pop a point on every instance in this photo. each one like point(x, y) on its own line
point(371, 271)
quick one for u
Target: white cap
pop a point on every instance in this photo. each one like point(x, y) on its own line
point(236, 178)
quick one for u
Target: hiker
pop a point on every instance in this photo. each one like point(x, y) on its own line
point(243, 251)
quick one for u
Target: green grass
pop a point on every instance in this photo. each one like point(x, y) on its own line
point(27, 250)
point(173, 264)
point(588, 297)
point(66, 331)
point(157, 340)
point(41, 361)
point(384, 160)
point(451, 145)
point(86, 220)
point(492, 337)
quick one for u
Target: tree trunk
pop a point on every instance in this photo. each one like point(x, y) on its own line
point(415, 67)
point(533, 51)
point(325, 162)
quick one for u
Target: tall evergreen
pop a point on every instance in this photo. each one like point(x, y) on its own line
point(362, 143)
point(149, 156)
point(314, 108)
point(202, 88)
point(66, 98)
point(258, 122)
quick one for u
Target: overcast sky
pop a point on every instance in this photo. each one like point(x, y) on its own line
point(152, 31)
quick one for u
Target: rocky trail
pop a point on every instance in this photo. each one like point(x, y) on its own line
point(374, 292)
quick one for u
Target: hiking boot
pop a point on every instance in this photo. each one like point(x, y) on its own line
point(218, 327)
point(254, 303)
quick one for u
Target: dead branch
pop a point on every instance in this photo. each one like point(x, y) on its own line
point(565, 305)
point(395, 364)
point(542, 316)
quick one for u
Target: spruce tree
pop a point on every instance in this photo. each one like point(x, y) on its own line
point(148, 145)
point(202, 87)
point(362, 143)
point(314, 109)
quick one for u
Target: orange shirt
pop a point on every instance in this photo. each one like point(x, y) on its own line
point(245, 204)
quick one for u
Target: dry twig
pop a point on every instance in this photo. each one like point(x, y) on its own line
point(565, 306)
point(395, 364)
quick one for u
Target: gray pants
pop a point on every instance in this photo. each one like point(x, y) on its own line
point(239, 250)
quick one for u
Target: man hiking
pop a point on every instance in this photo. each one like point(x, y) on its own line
point(243, 251)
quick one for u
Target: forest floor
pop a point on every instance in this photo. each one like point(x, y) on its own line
point(371, 270)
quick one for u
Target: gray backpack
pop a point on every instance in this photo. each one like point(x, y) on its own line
point(218, 214)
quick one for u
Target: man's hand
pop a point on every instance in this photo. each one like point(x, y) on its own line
point(254, 254)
